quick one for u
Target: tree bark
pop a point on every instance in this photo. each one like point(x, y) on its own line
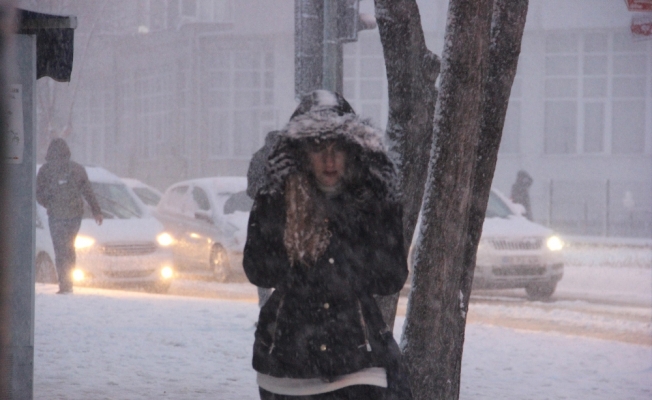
point(459, 182)
point(411, 74)
point(507, 26)
point(436, 317)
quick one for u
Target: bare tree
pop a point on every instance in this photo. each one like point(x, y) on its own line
point(479, 63)
point(411, 74)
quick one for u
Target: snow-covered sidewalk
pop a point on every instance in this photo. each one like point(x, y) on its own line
point(109, 344)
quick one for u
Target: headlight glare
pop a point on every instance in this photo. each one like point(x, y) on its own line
point(78, 275)
point(164, 239)
point(555, 243)
point(82, 242)
point(167, 272)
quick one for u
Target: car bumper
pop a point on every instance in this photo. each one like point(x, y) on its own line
point(517, 271)
point(124, 270)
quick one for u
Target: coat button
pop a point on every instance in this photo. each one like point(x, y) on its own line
point(322, 347)
point(327, 306)
point(330, 260)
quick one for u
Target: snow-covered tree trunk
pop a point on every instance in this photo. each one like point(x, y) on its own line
point(411, 74)
point(476, 80)
point(507, 26)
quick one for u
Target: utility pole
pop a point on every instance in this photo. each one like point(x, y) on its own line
point(332, 49)
point(43, 47)
point(321, 28)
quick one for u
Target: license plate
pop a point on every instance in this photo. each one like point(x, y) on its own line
point(520, 260)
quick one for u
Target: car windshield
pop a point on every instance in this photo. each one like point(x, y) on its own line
point(147, 196)
point(496, 208)
point(236, 202)
point(115, 201)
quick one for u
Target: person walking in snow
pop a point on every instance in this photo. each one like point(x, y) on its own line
point(326, 232)
point(521, 192)
point(61, 186)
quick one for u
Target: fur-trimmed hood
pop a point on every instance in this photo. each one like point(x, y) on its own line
point(327, 122)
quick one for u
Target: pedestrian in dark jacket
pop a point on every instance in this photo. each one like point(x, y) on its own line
point(326, 233)
point(61, 186)
point(521, 192)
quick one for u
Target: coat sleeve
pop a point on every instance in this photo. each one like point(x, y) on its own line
point(43, 194)
point(386, 267)
point(87, 191)
point(265, 260)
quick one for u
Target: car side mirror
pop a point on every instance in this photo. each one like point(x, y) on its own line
point(204, 216)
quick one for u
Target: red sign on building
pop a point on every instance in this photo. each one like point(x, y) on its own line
point(639, 5)
point(642, 26)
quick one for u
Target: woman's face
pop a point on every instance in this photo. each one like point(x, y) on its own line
point(328, 163)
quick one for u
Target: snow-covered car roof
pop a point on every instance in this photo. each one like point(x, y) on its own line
point(100, 175)
point(97, 174)
point(135, 183)
point(221, 184)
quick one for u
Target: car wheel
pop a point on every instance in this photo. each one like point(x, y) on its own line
point(219, 263)
point(45, 271)
point(158, 287)
point(540, 291)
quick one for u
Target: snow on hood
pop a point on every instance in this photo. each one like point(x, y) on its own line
point(513, 226)
point(122, 230)
point(326, 124)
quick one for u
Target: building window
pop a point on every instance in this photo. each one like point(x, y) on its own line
point(238, 98)
point(90, 126)
point(365, 80)
point(154, 110)
point(206, 10)
point(596, 91)
point(629, 65)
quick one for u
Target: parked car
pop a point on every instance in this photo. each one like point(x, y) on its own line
point(208, 219)
point(44, 268)
point(149, 195)
point(130, 248)
point(516, 253)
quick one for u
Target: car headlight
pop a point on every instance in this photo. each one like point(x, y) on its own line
point(82, 242)
point(555, 243)
point(78, 275)
point(164, 239)
point(167, 272)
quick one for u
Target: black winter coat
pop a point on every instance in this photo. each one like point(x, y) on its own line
point(322, 320)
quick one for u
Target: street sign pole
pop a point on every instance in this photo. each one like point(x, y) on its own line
point(331, 58)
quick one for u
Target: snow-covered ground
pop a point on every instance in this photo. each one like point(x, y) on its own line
point(111, 344)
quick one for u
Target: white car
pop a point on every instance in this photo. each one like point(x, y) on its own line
point(516, 253)
point(149, 195)
point(130, 248)
point(208, 219)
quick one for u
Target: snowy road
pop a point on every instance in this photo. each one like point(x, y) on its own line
point(593, 340)
point(613, 303)
point(120, 345)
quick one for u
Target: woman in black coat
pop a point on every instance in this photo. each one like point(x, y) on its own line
point(326, 232)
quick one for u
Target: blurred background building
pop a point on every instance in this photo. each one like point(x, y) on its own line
point(165, 90)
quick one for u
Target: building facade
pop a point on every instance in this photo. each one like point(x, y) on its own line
point(175, 89)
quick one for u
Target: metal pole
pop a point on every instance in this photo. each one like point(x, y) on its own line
point(550, 204)
point(331, 43)
point(21, 175)
point(606, 208)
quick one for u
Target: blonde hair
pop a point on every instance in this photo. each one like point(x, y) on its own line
point(306, 235)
